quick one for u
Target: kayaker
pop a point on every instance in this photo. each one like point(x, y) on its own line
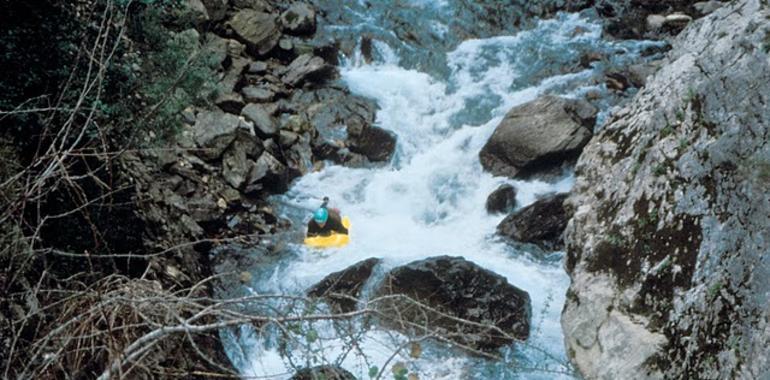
point(325, 222)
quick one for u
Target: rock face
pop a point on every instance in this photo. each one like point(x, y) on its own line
point(541, 223)
point(667, 249)
point(460, 288)
point(502, 200)
point(342, 289)
point(538, 136)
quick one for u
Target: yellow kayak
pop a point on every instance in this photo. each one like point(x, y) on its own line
point(331, 241)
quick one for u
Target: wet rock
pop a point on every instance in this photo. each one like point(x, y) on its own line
point(323, 372)
point(258, 30)
point(264, 126)
point(463, 290)
point(254, 94)
point(299, 19)
point(214, 131)
point(342, 289)
point(307, 68)
point(502, 200)
point(374, 143)
point(541, 223)
point(538, 136)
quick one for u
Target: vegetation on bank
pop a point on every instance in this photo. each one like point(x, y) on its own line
point(83, 82)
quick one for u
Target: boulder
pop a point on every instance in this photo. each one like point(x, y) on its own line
point(258, 30)
point(502, 200)
point(342, 289)
point(325, 372)
point(541, 223)
point(299, 19)
point(538, 136)
point(374, 143)
point(460, 289)
point(214, 131)
point(307, 68)
point(264, 126)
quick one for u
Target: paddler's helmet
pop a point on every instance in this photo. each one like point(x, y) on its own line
point(321, 215)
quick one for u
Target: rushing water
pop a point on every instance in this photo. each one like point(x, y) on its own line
point(430, 199)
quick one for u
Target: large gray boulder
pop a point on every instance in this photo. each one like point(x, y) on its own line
point(342, 289)
point(258, 30)
point(541, 223)
point(214, 131)
point(667, 250)
point(538, 136)
point(456, 289)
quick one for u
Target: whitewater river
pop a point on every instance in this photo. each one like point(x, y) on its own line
point(430, 199)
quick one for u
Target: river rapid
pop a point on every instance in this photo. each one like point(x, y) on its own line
point(442, 92)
